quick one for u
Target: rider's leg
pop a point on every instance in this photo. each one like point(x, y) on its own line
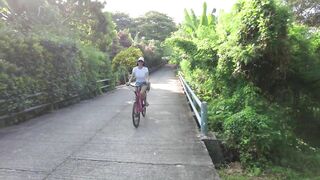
point(144, 94)
point(145, 100)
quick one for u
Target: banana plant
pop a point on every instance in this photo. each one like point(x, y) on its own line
point(192, 22)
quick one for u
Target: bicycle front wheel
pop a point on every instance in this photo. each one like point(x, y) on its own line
point(135, 115)
point(144, 111)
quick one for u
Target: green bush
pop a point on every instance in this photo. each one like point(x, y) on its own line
point(59, 69)
point(14, 88)
point(94, 66)
point(123, 63)
point(250, 125)
point(126, 59)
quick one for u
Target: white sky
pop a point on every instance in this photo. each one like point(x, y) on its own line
point(173, 8)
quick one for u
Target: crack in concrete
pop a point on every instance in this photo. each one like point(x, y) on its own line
point(142, 163)
point(23, 170)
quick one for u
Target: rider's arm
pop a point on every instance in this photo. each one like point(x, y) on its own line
point(147, 77)
point(131, 77)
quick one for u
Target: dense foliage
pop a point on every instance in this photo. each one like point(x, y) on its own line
point(155, 25)
point(122, 41)
point(56, 49)
point(307, 11)
point(151, 26)
point(259, 72)
point(123, 21)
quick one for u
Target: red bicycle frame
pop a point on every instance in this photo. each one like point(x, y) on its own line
point(139, 100)
point(138, 106)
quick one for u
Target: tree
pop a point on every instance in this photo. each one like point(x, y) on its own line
point(122, 41)
point(155, 25)
point(204, 18)
point(306, 11)
point(4, 9)
point(24, 16)
point(122, 21)
point(93, 26)
point(115, 47)
point(192, 23)
point(125, 39)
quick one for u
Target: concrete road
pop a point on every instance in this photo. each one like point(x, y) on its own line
point(95, 139)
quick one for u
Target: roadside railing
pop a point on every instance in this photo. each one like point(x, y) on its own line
point(104, 83)
point(196, 105)
point(40, 106)
point(11, 118)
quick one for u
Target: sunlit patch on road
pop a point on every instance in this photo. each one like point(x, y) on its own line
point(171, 86)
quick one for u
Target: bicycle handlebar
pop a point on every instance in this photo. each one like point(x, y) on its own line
point(132, 85)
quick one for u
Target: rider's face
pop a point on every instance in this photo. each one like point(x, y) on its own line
point(140, 63)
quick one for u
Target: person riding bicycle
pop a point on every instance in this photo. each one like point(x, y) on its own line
point(141, 73)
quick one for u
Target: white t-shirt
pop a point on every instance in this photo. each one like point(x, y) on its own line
point(140, 74)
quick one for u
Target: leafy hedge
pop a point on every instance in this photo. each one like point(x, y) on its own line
point(52, 55)
point(57, 69)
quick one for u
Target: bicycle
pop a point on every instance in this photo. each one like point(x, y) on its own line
point(138, 106)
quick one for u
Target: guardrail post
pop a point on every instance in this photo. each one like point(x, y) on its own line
point(204, 122)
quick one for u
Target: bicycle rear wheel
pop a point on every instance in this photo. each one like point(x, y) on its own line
point(135, 115)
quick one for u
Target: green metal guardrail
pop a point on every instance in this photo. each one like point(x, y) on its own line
point(196, 105)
